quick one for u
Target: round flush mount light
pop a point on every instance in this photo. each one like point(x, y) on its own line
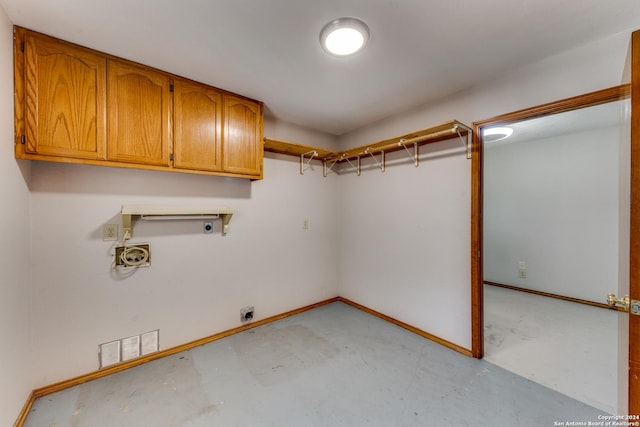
point(344, 36)
point(496, 134)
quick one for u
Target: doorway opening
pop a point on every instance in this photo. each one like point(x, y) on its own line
point(548, 239)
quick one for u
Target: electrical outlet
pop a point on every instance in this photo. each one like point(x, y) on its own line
point(109, 232)
point(208, 227)
point(246, 314)
point(522, 270)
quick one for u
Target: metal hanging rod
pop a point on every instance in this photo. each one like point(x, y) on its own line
point(330, 158)
point(453, 131)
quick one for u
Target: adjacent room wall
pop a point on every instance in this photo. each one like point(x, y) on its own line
point(15, 326)
point(405, 236)
point(553, 203)
point(197, 283)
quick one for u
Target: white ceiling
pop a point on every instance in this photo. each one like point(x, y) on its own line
point(419, 52)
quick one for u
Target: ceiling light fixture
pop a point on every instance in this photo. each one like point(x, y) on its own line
point(344, 36)
point(496, 134)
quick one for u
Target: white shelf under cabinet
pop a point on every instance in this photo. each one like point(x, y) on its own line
point(173, 212)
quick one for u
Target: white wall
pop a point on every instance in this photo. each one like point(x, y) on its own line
point(396, 241)
point(553, 203)
point(16, 380)
point(400, 228)
point(284, 131)
point(197, 282)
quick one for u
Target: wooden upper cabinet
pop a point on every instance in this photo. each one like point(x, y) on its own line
point(139, 119)
point(77, 105)
point(243, 149)
point(64, 98)
point(198, 126)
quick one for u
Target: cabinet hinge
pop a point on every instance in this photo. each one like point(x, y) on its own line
point(171, 88)
point(171, 156)
point(23, 139)
point(21, 46)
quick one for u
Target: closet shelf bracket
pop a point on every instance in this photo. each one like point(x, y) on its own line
point(466, 140)
point(381, 164)
point(328, 165)
point(357, 166)
point(306, 153)
point(415, 157)
point(306, 165)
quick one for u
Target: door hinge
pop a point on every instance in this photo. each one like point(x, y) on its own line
point(23, 139)
point(171, 156)
point(171, 88)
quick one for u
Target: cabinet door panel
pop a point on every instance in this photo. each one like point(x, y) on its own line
point(65, 99)
point(198, 126)
point(242, 149)
point(139, 102)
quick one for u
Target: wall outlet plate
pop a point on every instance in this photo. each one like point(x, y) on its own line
point(246, 314)
point(208, 227)
point(109, 232)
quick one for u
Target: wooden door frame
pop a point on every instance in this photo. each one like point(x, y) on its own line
point(581, 101)
point(634, 237)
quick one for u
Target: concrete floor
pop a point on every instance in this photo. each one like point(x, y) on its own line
point(569, 347)
point(331, 366)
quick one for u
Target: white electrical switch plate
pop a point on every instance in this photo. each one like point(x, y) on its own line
point(130, 348)
point(305, 224)
point(522, 265)
point(149, 342)
point(109, 354)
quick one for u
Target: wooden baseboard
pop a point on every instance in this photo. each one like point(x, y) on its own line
point(52, 388)
point(556, 296)
point(25, 410)
point(408, 327)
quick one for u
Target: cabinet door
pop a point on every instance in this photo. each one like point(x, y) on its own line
point(65, 106)
point(198, 126)
point(242, 148)
point(139, 119)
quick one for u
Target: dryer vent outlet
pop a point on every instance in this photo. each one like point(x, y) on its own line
point(246, 314)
